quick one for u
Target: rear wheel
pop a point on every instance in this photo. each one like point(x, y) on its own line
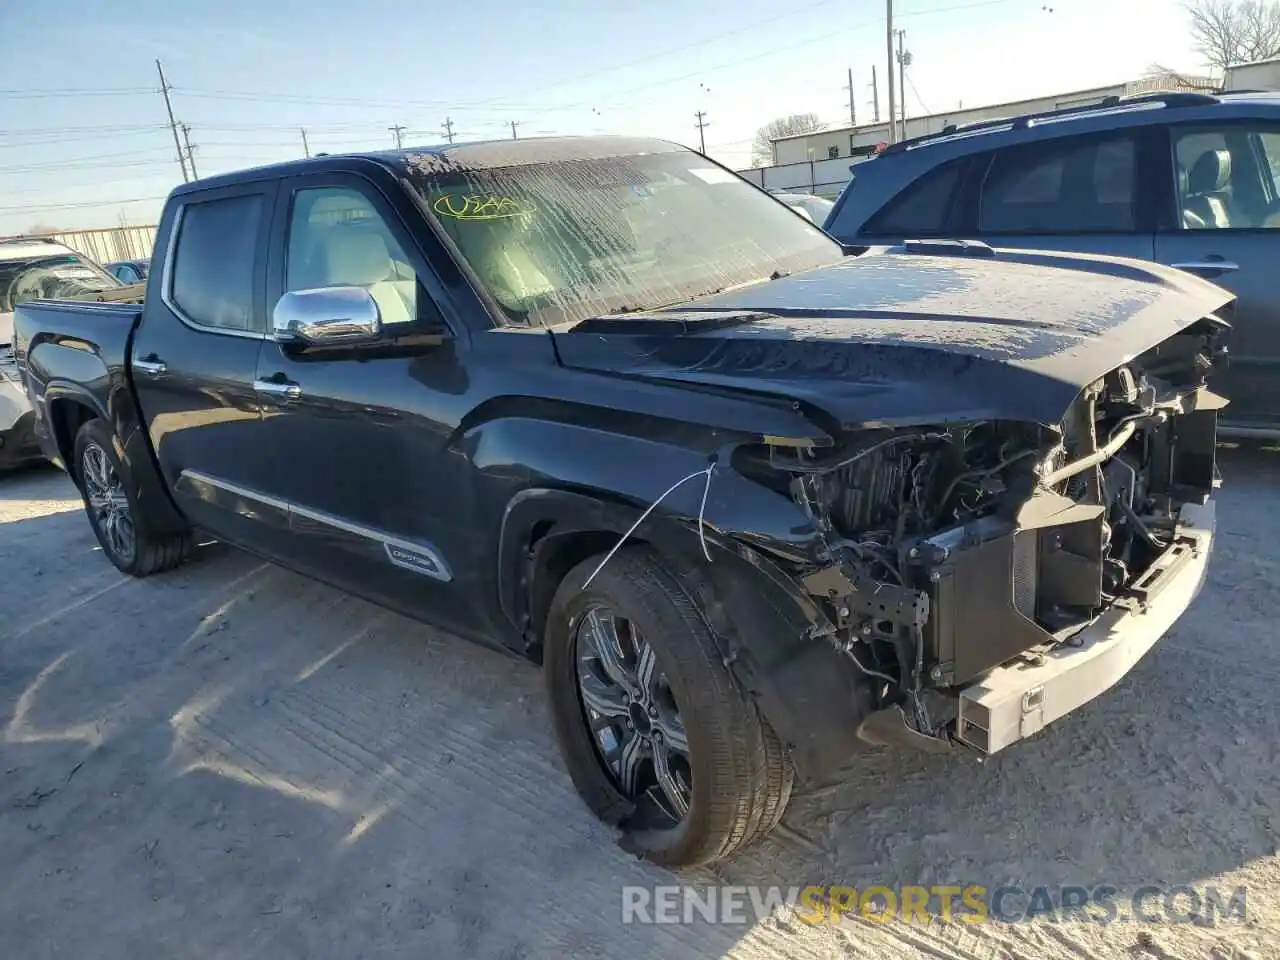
point(111, 503)
point(657, 734)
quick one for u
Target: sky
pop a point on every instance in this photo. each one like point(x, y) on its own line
point(84, 139)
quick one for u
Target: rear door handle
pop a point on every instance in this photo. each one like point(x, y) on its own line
point(152, 366)
point(1207, 266)
point(285, 390)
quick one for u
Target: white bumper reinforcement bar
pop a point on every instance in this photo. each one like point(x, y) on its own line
point(1018, 699)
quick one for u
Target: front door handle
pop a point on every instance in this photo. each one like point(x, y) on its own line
point(152, 366)
point(1207, 266)
point(286, 390)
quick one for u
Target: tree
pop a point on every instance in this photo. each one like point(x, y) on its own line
point(1228, 32)
point(762, 147)
point(40, 229)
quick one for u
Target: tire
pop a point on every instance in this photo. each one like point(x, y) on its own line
point(737, 774)
point(111, 504)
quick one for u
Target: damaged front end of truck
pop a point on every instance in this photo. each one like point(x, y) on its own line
point(951, 549)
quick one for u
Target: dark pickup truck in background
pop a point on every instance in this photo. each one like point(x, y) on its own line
point(749, 500)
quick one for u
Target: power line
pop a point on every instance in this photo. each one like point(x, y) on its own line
point(36, 94)
point(74, 165)
point(36, 208)
point(448, 129)
point(92, 158)
point(920, 100)
point(73, 134)
point(807, 41)
point(497, 104)
point(396, 131)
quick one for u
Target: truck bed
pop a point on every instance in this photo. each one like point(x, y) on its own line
point(79, 350)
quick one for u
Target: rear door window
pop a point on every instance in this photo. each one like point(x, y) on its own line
point(213, 263)
point(1066, 186)
point(924, 209)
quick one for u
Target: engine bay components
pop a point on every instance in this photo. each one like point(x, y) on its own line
point(949, 549)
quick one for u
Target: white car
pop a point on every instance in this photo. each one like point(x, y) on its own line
point(813, 207)
point(34, 269)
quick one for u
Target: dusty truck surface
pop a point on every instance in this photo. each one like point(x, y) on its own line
point(752, 501)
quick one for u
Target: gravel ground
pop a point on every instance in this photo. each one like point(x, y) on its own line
point(232, 761)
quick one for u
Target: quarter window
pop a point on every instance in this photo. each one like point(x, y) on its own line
point(213, 262)
point(1068, 186)
point(337, 238)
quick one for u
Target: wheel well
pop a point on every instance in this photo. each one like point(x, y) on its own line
point(67, 417)
point(549, 558)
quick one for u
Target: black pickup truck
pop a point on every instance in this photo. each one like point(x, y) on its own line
point(752, 500)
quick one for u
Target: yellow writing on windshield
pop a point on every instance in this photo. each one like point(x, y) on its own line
point(478, 206)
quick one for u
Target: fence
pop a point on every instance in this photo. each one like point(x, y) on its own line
point(826, 178)
point(109, 243)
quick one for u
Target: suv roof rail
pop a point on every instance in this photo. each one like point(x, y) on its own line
point(31, 239)
point(1025, 120)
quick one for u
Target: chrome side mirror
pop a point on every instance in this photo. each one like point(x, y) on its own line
point(326, 315)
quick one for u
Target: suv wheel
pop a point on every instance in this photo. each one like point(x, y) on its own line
point(111, 503)
point(657, 735)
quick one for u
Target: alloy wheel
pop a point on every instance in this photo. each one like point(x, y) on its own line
point(108, 504)
point(632, 713)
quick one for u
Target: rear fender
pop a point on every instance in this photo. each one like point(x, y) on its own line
point(156, 508)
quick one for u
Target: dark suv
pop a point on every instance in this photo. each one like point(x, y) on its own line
point(1190, 180)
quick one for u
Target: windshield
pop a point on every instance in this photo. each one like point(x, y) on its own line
point(563, 241)
point(50, 277)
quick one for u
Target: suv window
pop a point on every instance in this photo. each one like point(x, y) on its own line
point(213, 262)
point(1068, 186)
point(337, 238)
point(922, 209)
point(1227, 177)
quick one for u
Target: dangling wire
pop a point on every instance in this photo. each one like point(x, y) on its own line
point(710, 469)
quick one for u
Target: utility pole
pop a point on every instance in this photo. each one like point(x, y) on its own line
point(191, 157)
point(306, 147)
point(853, 113)
point(904, 61)
point(702, 126)
point(396, 131)
point(888, 39)
point(448, 129)
point(875, 95)
point(173, 124)
point(514, 124)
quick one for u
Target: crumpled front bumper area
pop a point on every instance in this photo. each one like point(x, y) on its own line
point(1016, 700)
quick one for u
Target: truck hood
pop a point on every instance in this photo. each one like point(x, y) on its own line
point(897, 338)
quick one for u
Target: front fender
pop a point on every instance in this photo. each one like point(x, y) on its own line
point(770, 633)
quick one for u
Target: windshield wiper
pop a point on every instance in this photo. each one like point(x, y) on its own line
point(776, 275)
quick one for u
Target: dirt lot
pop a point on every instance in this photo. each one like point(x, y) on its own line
point(232, 761)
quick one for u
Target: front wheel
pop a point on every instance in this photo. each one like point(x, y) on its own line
point(655, 731)
point(111, 503)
